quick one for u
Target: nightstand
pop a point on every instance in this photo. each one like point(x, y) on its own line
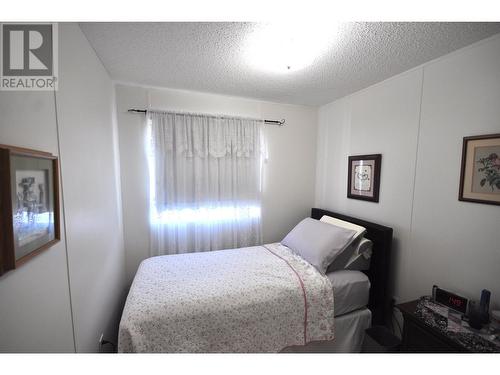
point(426, 332)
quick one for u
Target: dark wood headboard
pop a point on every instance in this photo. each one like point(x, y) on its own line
point(381, 236)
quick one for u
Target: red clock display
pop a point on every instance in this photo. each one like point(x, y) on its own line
point(451, 300)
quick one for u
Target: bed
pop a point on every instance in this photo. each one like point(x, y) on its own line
point(378, 274)
point(257, 299)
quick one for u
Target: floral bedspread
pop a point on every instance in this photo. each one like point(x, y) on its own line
point(254, 299)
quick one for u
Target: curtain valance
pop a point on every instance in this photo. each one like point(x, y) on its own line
point(205, 135)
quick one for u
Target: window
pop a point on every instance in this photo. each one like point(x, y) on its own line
point(205, 182)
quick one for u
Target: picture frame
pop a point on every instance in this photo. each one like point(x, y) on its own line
point(480, 169)
point(29, 204)
point(363, 180)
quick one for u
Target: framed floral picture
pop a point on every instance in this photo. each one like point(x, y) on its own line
point(363, 180)
point(29, 204)
point(480, 172)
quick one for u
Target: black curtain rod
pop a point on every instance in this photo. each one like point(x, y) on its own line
point(270, 122)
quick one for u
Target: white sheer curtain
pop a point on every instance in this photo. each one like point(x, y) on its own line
point(205, 182)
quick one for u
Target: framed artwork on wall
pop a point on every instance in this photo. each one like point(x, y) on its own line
point(29, 204)
point(363, 180)
point(480, 171)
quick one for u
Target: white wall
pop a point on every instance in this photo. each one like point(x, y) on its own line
point(38, 299)
point(417, 120)
point(92, 202)
point(289, 174)
point(461, 98)
point(35, 313)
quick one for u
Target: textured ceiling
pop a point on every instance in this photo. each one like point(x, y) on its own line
point(210, 57)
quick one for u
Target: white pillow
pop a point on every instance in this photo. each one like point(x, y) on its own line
point(360, 261)
point(345, 224)
point(355, 257)
point(318, 243)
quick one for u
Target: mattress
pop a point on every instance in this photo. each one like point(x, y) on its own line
point(351, 290)
point(349, 335)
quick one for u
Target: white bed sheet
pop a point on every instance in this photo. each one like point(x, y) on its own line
point(351, 290)
point(349, 335)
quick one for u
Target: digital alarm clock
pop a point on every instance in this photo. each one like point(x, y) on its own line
point(451, 300)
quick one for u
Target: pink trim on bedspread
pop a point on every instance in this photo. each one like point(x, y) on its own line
point(301, 285)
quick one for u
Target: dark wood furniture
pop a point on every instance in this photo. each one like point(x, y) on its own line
point(419, 337)
point(378, 274)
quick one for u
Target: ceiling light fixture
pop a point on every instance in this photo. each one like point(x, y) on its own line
point(288, 47)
